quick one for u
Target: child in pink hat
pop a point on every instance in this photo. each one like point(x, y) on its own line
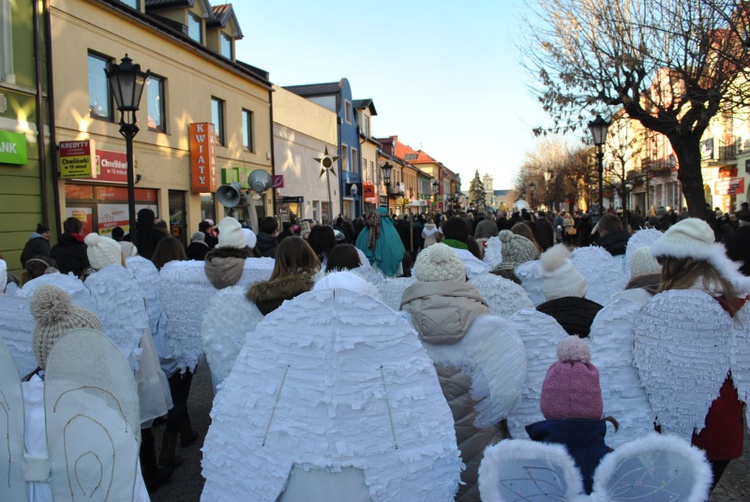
point(572, 405)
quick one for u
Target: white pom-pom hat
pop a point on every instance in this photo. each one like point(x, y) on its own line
point(439, 263)
point(102, 251)
point(561, 277)
point(231, 234)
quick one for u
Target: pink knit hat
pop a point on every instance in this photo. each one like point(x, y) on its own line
point(571, 387)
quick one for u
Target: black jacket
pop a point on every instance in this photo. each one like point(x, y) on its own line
point(35, 246)
point(543, 233)
point(70, 254)
point(574, 314)
point(738, 247)
point(266, 245)
point(614, 242)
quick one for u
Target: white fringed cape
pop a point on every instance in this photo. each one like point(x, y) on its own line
point(331, 379)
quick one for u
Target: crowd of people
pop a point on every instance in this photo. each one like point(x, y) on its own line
point(126, 287)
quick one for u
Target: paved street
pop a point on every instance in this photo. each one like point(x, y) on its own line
point(186, 483)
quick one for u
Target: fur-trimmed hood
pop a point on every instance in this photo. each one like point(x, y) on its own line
point(269, 295)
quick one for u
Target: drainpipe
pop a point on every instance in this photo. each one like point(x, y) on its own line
point(273, 154)
point(50, 111)
point(39, 102)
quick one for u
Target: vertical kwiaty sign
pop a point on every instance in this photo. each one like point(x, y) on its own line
point(203, 157)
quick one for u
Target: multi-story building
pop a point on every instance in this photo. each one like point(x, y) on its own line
point(198, 96)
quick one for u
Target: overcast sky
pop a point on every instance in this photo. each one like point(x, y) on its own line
point(445, 76)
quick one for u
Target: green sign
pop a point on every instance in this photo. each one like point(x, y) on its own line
point(12, 148)
point(238, 174)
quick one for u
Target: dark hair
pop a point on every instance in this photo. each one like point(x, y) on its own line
point(294, 255)
point(343, 257)
point(37, 266)
point(474, 248)
point(610, 223)
point(455, 228)
point(166, 250)
point(321, 239)
point(268, 224)
point(72, 225)
point(118, 233)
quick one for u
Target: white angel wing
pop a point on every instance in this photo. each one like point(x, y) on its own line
point(121, 308)
point(493, 252)
point(184, 291)
point(12, 481)
point(611, 345)
point(17, 330)
point(371, 275)
point(92, 418)
point(392, 290)
point(643, 237)
point(604, 273)
point(518, 470)
point(503, 296)
point(682, 353)
point(530, 274)
point(332, 379)
point(229, 318)
point(653, 467)
point(147, 275)
point(740, 355)
point(540, 334)
point(72, 285)
point(493, 355)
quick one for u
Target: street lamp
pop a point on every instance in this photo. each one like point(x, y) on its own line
point(127, 82)
point(547, 178)
point(598, 130)
point(532, 186)
point(435, 191)
point(386, 170)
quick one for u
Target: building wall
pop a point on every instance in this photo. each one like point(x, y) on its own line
point(21, 200)
point(302, 131)
point(191, 79)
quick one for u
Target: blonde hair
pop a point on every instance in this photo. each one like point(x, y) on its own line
point(685, 273)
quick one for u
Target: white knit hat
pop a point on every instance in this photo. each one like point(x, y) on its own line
point(561, 277)
point(641, 262)
point(231, 234)
point(250, 238)
point(439, 263)
point(102, 251)
point(55, 314)
point(694, 238)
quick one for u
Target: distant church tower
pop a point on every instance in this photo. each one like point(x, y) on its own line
point(489, 190)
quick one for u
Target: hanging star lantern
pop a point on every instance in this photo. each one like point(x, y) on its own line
point(326, 163)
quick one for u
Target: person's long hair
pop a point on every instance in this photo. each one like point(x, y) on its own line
point(524, 230)
point(168, 249)
point(685, 273)
point(293, 256)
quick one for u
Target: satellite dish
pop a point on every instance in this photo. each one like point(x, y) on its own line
point(259, 180)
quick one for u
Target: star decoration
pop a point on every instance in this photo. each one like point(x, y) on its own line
point(326, 162)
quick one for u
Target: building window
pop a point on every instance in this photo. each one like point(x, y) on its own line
point(100, 102)
point(155, 100)
point(355, 161)
point(411, 156)
point(226, 46)
point(247, 130)
point(348, 112)
point(217, 117)
point(7, 73)
point(344, 158)
point(134, 4)
point(195, 28)
point(366, 124)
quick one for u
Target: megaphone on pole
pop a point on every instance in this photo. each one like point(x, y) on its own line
point(229, 195)
point(259, 180)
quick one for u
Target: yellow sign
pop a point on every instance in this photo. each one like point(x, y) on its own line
point(77, 159)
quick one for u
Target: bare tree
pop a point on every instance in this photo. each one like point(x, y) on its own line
point(672, 65)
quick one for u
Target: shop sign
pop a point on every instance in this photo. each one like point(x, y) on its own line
point(368, 191)
point(277, 181)
point(12, 148)
point(732, 186)
point(113, 166)
point(287, 199)
point(77, 159)
point(203, 157)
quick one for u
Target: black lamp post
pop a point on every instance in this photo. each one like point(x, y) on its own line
point(598, 130)
point(547, 178)
point(435, 191)
point(532, 186)
point(127, 82)
point(386, 170)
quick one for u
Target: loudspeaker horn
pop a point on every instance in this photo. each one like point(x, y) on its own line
point(259, 180)
point(229, 195)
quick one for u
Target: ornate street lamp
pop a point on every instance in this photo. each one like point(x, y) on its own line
point(598, 128)
point(532, 186)
point(547, 178)
point(386, 170)
point(435, 191)
point(127, 82)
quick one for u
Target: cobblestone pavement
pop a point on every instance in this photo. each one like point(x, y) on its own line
point(186, 483)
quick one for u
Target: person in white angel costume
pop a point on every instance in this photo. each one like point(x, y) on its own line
point(331, 398)
point(479, 357)
point(692, 343)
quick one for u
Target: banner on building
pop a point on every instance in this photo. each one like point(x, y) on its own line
point(77, 159)
point(112, 166)
point(732, 186)
point(368, 191)
point(13, 148)
point(203, 174)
